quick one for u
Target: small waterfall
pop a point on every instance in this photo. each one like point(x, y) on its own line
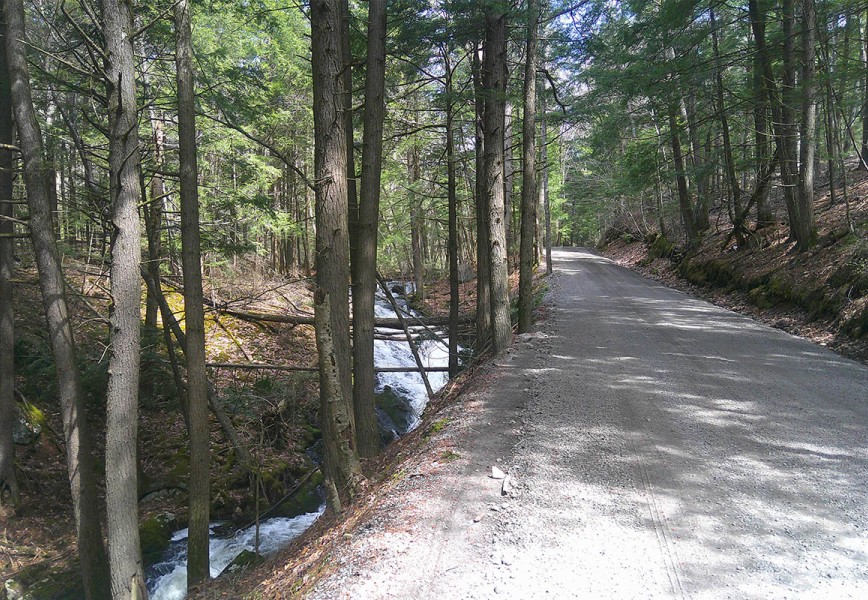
point(401, 400)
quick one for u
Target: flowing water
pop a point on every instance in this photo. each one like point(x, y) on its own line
point(401, 400)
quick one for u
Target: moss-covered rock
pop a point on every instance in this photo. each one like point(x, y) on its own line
point(247, 558)
point(29, 424)
point(155, 535)
point(306, 499)
point(661, 247)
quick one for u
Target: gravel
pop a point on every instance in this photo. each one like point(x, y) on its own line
point(652, 446)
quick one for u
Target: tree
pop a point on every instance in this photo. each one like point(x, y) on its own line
point(494, 85)
point(76, 432)
point(365, 265)
point(529, 175)
point(342, 472)
point(194, 350)
point(8, 480)
point(125, 559)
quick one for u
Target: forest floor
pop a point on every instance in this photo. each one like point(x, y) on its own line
point(653, 446)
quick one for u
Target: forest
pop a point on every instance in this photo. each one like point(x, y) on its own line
point(203, 201)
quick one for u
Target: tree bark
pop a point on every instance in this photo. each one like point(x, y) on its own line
point(8, 480)
point(483, 259)
point(805, 228)
point(529, 175)
point(788, 132)
point(864, 54)
point(416, 222)
point(544, 183)
point(453, 217)
point(125, 560)
point(194, 316)
point(342, 471)
point(734, 188)
point(494, 82)
point(684, 205)
point(365, 265)
point(76, 433)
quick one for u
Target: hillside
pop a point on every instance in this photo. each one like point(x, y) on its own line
point(820, 294)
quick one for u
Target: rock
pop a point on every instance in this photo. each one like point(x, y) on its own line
point(155, 535)
point(497, 473)
point(307, 499)
point(247, 558)
point(28, 424)
point(13, 590)
point(506, 487)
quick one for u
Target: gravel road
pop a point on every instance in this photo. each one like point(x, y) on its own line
point(657, 446)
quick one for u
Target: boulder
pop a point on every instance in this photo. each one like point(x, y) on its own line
point(247, 558)
point(28, 424)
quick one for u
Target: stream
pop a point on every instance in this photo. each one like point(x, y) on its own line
point(401, 398)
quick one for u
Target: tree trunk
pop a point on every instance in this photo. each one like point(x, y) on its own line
point(483, 259)
point(125, 559)
point(529, 176)
point(864, 54)
point(331, 303)
point(8, 481)
point(681, 180)
point(765, 98)
point(508, 177)
point(494, 82)
point(365, 265)
point(416, 222)
point(788, 132)
point(544, 187)
point(734, 188)
point(194, 350)
point(153, 212)
point(76, 434)
point(453, 218)
point(805, 227)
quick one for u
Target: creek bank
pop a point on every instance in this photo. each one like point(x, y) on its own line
point(821, 294)
point(401, 398)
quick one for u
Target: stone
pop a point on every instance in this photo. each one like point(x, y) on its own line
point(246, 558)
point(28, 423)
point(497, 473)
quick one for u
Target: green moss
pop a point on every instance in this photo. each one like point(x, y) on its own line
point(436, 427)
point(155, 535)
point(661, 247)
point(247, 558)
point(306, 499)
point(449, 456)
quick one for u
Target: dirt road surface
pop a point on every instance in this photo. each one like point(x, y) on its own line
point(656, 446)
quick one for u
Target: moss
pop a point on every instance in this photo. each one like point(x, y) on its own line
point(155, 535)
point(449, 456)
point(247, 558)
point(306, 499)
point(436, 427)
point(661, 247)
